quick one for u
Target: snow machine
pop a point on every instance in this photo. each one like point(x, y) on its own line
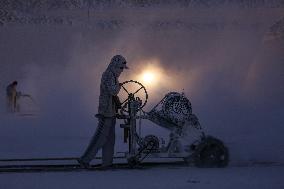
point(186, 140)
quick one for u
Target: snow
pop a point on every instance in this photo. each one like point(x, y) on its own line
point(228, 61)
point(258, 177)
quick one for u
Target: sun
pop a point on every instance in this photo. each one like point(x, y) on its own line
point(151, 75)
point(148, 77)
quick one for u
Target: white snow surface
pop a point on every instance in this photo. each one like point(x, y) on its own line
point(259, 177)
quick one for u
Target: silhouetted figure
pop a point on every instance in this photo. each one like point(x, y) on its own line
point(12, 95)
point(104, 136)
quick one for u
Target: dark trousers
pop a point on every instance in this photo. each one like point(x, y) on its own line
point(104, 138)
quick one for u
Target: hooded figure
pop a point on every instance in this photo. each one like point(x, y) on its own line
point(11, 93)
point(110, 87)
point(104, 136)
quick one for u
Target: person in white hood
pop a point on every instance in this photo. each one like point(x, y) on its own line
point(104, 136)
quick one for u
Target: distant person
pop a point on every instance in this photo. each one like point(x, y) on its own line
point(104, 136)
point(11, 93)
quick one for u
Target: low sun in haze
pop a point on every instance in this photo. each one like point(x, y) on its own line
point(151, 74)
point(148, 77)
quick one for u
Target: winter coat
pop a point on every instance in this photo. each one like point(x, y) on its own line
point(108, 89)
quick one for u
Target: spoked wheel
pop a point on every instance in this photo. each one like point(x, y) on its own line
point(133, 89)
point(211, 152)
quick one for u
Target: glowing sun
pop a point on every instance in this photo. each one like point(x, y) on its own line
point(148, 77)
point(151, 74)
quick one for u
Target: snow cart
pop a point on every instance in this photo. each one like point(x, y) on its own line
point(186, 140)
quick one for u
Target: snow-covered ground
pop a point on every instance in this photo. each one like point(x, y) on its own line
point(257, 177)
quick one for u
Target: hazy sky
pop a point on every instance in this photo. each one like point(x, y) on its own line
point(225, 60)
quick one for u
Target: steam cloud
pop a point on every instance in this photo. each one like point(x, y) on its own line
point(232, 77)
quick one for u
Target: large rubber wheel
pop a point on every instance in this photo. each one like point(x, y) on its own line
point(211, 152)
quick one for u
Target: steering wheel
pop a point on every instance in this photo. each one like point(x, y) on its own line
point(130, 94)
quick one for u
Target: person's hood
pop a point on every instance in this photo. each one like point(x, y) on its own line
point(116, 62)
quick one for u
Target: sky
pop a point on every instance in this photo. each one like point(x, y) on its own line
point(225, 60)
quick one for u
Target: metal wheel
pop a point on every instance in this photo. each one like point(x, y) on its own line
point(133, 94)
point(151, 144)
point(211, 152)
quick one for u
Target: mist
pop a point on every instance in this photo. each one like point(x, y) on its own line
point(219, 58)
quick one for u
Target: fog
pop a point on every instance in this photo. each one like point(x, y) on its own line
point(220, 58)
